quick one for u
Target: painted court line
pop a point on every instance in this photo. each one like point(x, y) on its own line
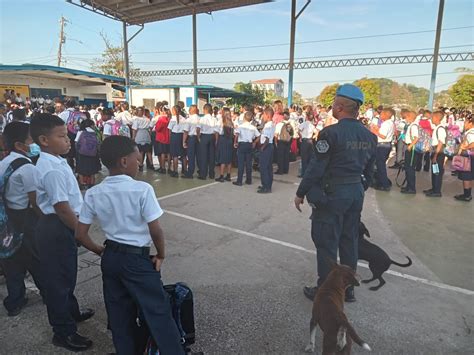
point(297, 247)
point(186, 191)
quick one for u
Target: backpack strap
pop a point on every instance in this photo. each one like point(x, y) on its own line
point(14, 165)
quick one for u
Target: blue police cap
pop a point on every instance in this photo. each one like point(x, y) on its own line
point(351, 92)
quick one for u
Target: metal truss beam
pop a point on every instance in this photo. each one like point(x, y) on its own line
point(317, 64)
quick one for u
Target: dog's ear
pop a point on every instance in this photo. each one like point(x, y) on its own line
point(363, 230)
point(367, 233)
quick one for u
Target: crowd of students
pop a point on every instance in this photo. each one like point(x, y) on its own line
point(69, 144)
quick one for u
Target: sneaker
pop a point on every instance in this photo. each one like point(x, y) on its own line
point(310, 292)
point(463, 197)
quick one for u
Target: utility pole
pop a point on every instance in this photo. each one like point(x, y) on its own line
point(62, 39)
point(434, 69)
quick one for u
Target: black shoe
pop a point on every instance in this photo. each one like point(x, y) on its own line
point(264, 191)
point(248, 182)
point(16, 311)
point(161, 171)
point(409, 192)
point(427, 191)
point(220, 178)
point(84, 315)
point(174, 174)
point(278, 173)
point(227, 178)
point(73, 342)
point(310, 292)
point(186, 176)
point(236, 183)
point(201, 177)
point(381, 188)
point(170, 172)
point(463, 197)
point(433, 194)
point(140, 168)
point(350, 295)
point(212, 177)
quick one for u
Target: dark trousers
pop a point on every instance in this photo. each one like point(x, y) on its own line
point(207, 159)
point(382, 153)
point(25, 259)
point(306, 151)
point(58, 256)
point(410, 165)
point(437, 179)
point(283, 156)
point(192, 151)
point(131, 281)
point(71, 155)
point(336, 228)
point(244, 159)
point(424, 162)
point(266, 166)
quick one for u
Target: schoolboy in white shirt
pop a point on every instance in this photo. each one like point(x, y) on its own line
point(19, 198)
point(307, 132)
point(245, 139)
point(130, 277)
point(190, 142)
point(412, 157)
point(205, 133)
point(266, 152)
point(438, 143)
point(60, 200)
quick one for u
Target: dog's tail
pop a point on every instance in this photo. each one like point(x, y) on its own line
point(402, 265)
point(352, 333)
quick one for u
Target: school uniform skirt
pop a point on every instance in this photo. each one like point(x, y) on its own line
point(176, 145)
point(87, 166)
point(224, 150)
point(467, 175)
point(161, 148)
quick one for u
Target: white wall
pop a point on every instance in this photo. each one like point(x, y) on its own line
point(138, 94)
point(68, 87)
point(184, 93)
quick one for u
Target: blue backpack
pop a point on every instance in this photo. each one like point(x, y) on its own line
point(10, 241)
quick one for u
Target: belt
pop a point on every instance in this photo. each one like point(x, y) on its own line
point(384, 143)
point(307, 139)
point(345, 180)
point(128, 249)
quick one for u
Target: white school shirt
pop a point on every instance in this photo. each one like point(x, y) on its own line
point(142, 126)
point(207, 124)
point(125, 117)
point(387, 129)
point(439, 135)
point(21, 181)
point(40, 100)
point(469, 136)
point(55, 182)
point(191, 124)
point(65, 114)
point(307, 130)
point(124, 207)
point(268, 131)
point(247, 132)
point(176, 127)
point(412, 133)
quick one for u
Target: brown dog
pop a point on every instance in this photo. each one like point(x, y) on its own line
point(328, 312)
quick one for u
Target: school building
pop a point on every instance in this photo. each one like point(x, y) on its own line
point(45, 80)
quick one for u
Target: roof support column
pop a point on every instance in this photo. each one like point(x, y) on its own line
point(436, 54)
point(195, 74)
point(291, 65)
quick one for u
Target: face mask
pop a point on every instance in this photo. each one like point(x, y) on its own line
point(35, 150)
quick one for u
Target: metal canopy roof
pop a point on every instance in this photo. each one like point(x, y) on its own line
point(52, 72)
point(139, 12)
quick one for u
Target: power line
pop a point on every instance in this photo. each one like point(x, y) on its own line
point(301, 42)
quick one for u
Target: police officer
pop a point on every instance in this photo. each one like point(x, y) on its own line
point(334, 185)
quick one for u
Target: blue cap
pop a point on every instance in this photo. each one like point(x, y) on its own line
point(351, 92)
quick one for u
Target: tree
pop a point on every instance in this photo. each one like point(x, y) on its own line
point(252, 96)
point(371, 90)
point(462, 93)
point(298, 98)
point(326, 97)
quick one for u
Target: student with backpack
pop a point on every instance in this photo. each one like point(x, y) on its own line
point(73, 120)
point(113, 126)
point(412, 156)
point(128, 213)
point(87, 147)
point(425, 128)
point(466, 150)
point(438, 142)
point(384, 134)
point(18, 216)
point(283, 136)
point(141, 136)
point(162, 139)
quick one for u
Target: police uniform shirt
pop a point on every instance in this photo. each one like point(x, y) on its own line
point(55, 182)
point(207, 124)
point(439, 135)
point(412, 133)
point(247, 132)
point(268, 131)
point(124, 207)
point(191, 124)
point(20, 183)
point(176, 127)
point(387, 129)
point(307, 130)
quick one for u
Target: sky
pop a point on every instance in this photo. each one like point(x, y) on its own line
point(29, 33)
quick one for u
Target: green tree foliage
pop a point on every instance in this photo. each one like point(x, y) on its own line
point(327, 95)
point(252, 97)
point(371, 90)
point(298, 98)
point(462, 93)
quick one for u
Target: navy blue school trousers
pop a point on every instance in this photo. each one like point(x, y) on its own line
point(306, 152)
point(382, 154)
point(266, 166)
point(437, 179)
point(412, 159)
point(207, 157)
point(131, 283)
point(25, 259)
point(57, 251)
point(244, 159)
point(192, 152)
